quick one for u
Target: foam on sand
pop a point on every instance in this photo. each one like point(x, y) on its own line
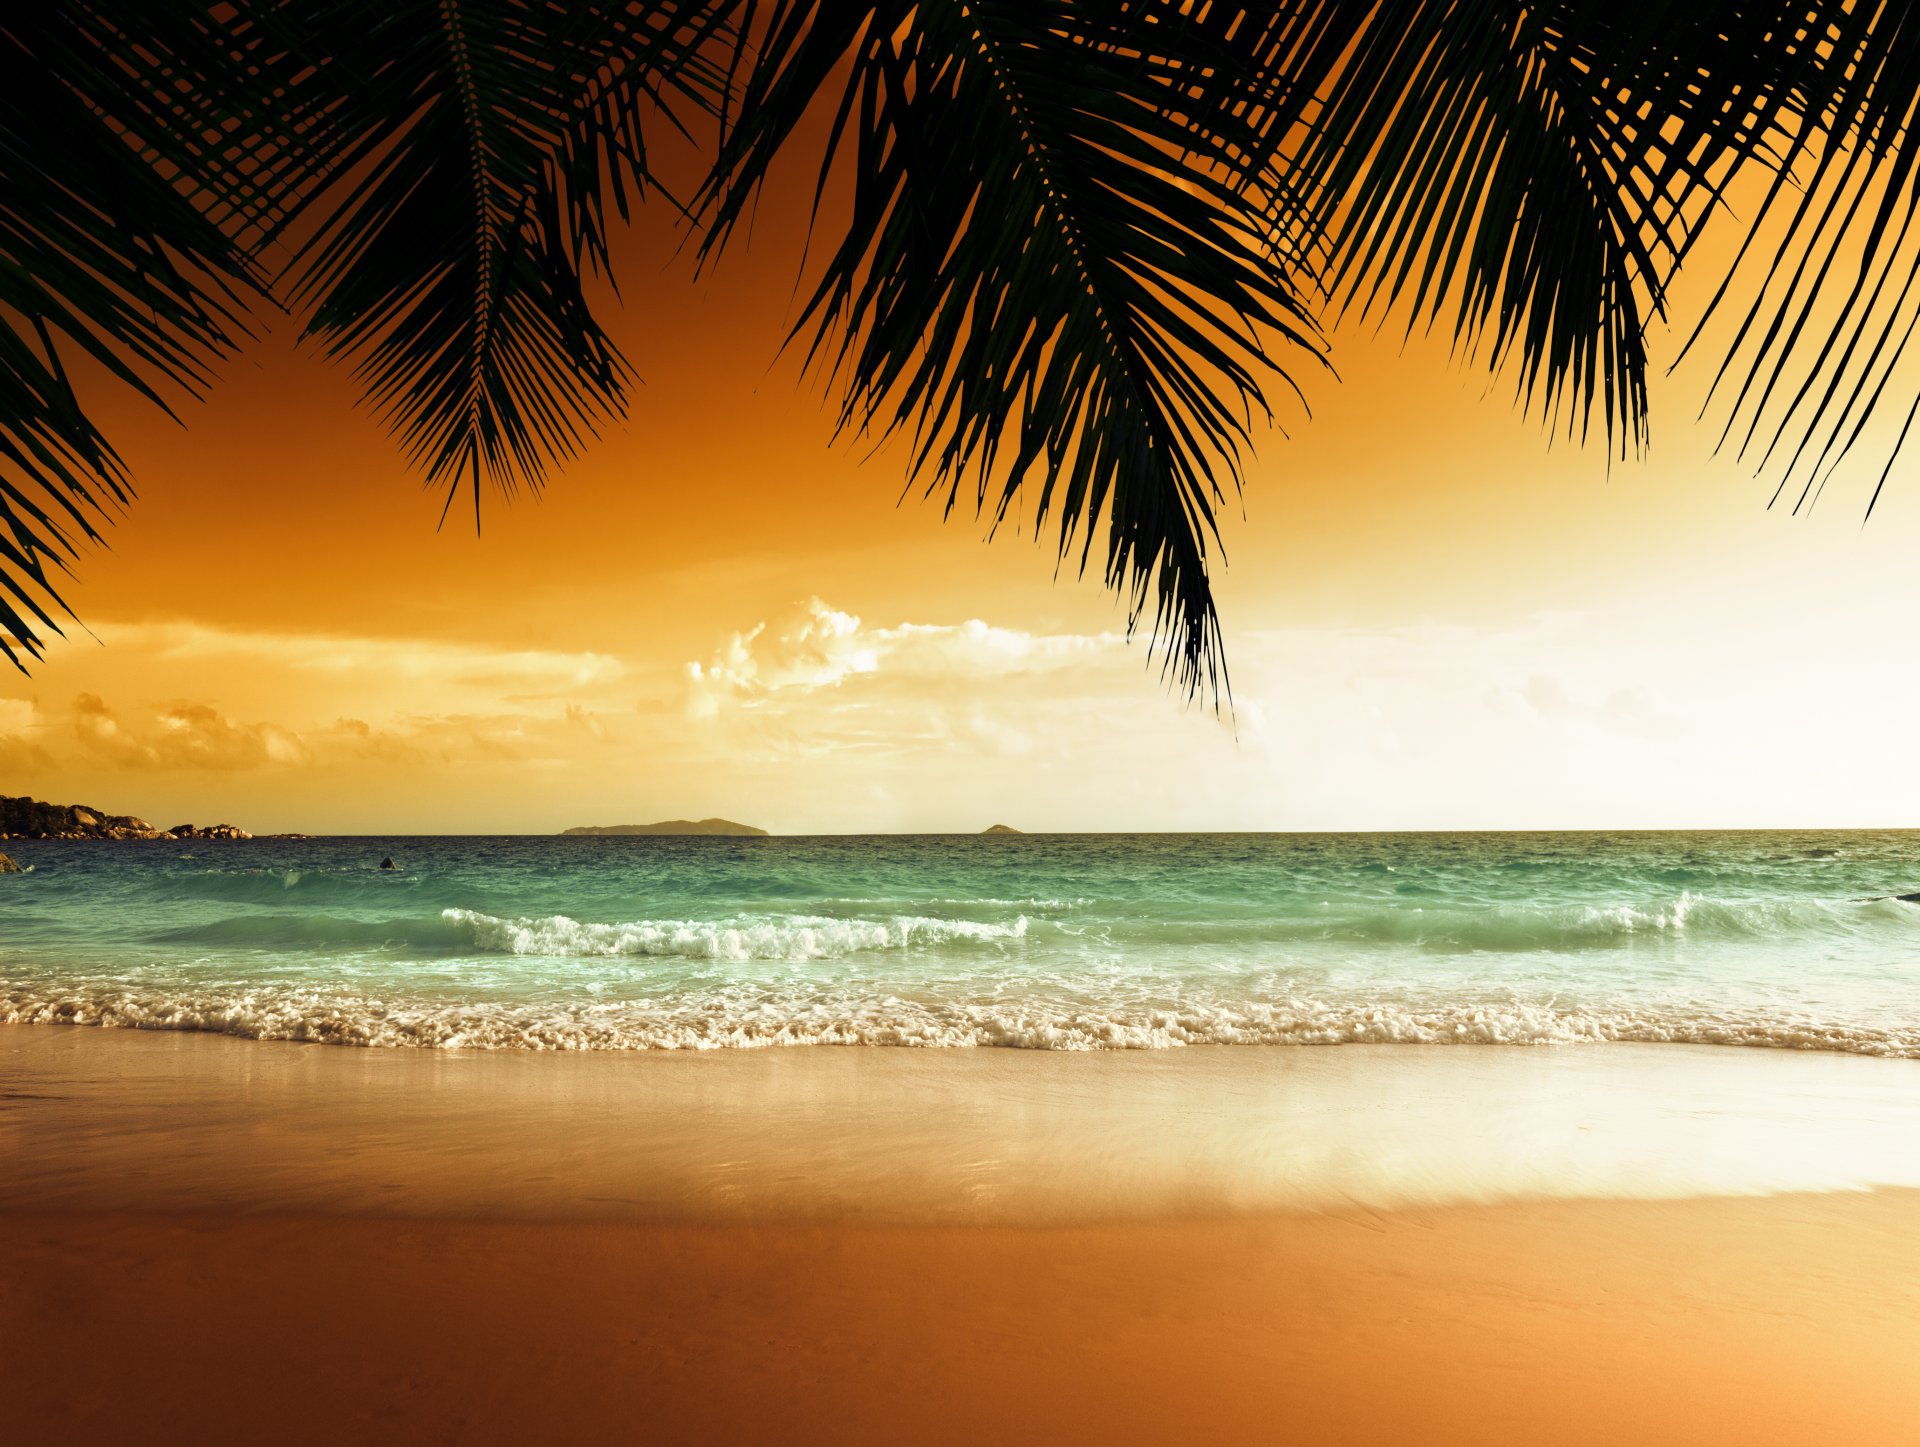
point(746, 1015)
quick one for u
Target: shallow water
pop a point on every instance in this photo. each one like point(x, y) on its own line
point(1053, 942)
point(160, 1122)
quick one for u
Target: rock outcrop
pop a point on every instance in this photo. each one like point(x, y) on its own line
point(1002, 829)
point(208, 831)
point(723, 827)
point(8, 866)
point(23, 818)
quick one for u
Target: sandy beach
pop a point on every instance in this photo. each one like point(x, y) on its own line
point(212, 1239)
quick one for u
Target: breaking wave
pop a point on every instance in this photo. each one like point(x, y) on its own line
point(1439, 930)
point(1576, 926)
point(783, 937)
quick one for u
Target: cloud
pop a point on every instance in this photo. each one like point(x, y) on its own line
point(417, 661)
point(815, 647)
point(522, 740)
point(18, 752)
point(976, 648)
point(816, 718)
point(184, 736)
point(185, 697)
point(811, 647)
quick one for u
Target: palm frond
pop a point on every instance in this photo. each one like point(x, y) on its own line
point(1050, 271)
point(1830, 269)
point(1534, 172)
point(457, 176)
point(110, 256)
point(1084, 240)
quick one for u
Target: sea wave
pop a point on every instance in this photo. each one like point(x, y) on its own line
point(455, 931)
point(780, 937)
point(292, 886)
point(1508, 929)
point(1433, 929)
point(1575, 926)
point(306, 932)
point(737, 1019)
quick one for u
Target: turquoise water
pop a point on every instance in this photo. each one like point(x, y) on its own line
point(1048, 942)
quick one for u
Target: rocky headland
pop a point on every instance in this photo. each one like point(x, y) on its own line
point(24, 818)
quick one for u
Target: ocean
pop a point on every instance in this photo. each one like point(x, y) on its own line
point(1049, 942)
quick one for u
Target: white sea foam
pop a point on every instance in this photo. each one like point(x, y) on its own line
point(788, 937)
point(737, 1017)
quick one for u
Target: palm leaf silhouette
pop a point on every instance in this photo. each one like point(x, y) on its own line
point(1086, 242)
point(108, 257)
point(457, 175)
point(1037, 279)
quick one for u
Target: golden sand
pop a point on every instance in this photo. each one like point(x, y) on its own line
point(1785, 1320)
point(127, 1313)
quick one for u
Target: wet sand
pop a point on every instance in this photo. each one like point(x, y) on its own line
point(213, 1240)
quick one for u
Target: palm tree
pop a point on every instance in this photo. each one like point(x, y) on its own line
point(1085, 241)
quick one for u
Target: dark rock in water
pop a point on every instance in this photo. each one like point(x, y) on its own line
point(7, 865)
point(388, 863)
point(1908, 898)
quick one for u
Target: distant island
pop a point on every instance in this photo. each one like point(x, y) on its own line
point(1002, 829)
point(725, 827)
point(24, 818)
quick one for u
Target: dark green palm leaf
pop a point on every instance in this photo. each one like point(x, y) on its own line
point(1078, 241)
point(1538, 171)
point(1039, 279)
point(457, 174)
point(111, 256)
point(1832, 282)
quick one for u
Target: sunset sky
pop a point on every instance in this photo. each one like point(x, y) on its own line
point(1434, 620)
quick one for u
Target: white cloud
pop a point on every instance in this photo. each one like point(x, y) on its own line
point(818, 719)
point(816, 647)
point(813, 646)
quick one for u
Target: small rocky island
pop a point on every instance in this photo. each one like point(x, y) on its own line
point(1002, 829)
point(725, 828)
point(24, 818)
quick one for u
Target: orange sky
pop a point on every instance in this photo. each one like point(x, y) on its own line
point(1434, 620)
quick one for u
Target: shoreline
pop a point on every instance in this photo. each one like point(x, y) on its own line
point(186, 1121)
point(213, 1239)
point(692, 1025)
